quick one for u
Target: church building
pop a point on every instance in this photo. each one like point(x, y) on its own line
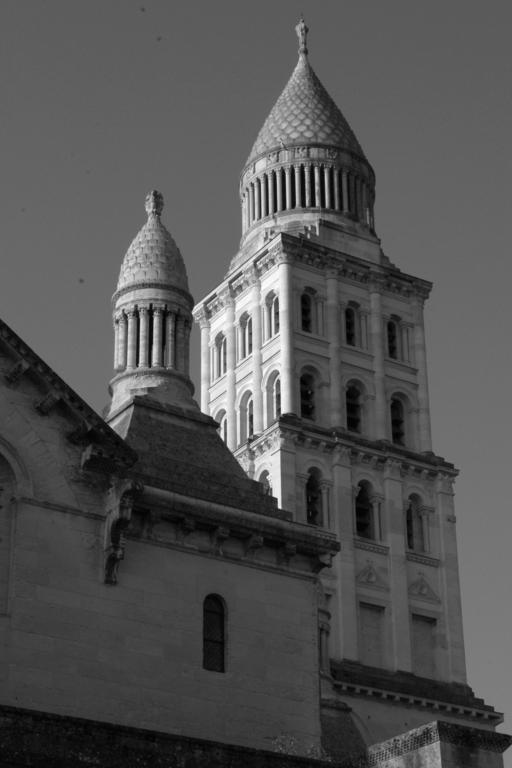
point(270, 579)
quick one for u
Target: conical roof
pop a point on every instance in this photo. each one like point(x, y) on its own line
point(304, 114)
point(153, 256)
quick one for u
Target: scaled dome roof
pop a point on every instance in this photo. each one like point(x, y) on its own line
point(304, 113)
point(153, 256)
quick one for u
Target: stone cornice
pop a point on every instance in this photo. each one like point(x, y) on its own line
point(171, 289)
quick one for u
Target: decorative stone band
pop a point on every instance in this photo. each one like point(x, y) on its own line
point(473, 739)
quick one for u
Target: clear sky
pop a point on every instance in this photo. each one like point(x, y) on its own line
point(102, 101)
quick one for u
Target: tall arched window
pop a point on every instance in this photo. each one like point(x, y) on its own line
point(272, 314)
point(277, 398)
point(397, 421)
point(245, 336)
point(392, 330)
point(414, 524)
point(364, 511)
point(214, 634)
point(307, 396)
point(223, 425)
point(220, 355)
point(353, 405)
point(314, 497)
point(306, 312)
point(246, 417)
point(266, 482)
point(350, 326)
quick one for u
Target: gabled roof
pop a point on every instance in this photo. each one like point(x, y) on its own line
point(304, 114)
point(88, 428)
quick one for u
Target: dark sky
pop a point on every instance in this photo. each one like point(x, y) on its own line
point(102, 101)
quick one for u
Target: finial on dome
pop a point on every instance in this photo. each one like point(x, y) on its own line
point(302, 33)
point(154, 203)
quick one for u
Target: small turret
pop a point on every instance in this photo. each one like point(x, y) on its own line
point(152, 318)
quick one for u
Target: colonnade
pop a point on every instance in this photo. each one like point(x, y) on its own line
point(151, 337)
point(306, 185)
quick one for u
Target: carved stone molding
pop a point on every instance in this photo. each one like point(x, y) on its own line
point(122, 499)
point(17, 371)
point(45, 405)
point(217, 537)
point(420, 588)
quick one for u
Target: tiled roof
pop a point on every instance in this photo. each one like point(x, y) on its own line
point(304, 114)
point(153, 255)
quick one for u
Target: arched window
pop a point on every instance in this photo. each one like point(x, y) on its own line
point(220, 355)
point(245, 336)
point(364, 511)
point(397, 421)
point(392, 330)
point(307, 396)
point(214, 634)
point(221, 418)
point(246, 417)
point(350, 326)
point(277, 398)
point(272, 314)
point(266, 482)
point(306, 312)
point(414, 524)
point(353, 405)
point(314, 497)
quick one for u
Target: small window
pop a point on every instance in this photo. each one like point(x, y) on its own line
point(306, 312)
point(214, 650)
point(220, 355)
point(266, 482)
point(307, 396)
point(314, 497)
point(414, 524)
point(392, 339)
point(245, 337)
point(423, 641)
point(371, 634)
point(350, 327)
point(397, 422)
point(272, 315)
point(223, 425)
point(277, 398)
point(364, 512)
point(353, 404)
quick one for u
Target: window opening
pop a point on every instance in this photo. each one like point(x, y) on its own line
point(392, 340)
point(307, 396)
point(353, 403)
point(397, 422)
point(213, 634)
point(314, 498)
point(350, 327)
point(306, 312)
point(364, 512)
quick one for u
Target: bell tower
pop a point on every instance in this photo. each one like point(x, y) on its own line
point(314, 365)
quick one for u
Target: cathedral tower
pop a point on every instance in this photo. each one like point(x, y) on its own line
point(314, 365)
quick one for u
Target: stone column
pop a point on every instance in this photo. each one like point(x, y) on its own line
point(229, 330)
point(344, 191)
point(132, 338)
point(420, 359)
point(263, 195)
point(401, 651)
point(377, 348)
point(257, 394)
point(257, 199)
point(333, 335)
point(296, 171)
point(318, 197)
point(279, 187)
point(271, 201)
point(324, 628)
point(327, 187)
point(454, 656)
point(377, 501)
point(288, 174)
point(326, 507)
point(425, 514)
point(307, 178)
point(156, 352)
point(286, 333)
point(179, 355)
point(204, 325)
point(336, 189)
point(186, 347)
point(143, 337)
point(116, 343)
point(170, 356)
point(121, 356)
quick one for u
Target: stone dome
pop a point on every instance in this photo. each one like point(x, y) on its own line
point(304, 114)
point(153, 256)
